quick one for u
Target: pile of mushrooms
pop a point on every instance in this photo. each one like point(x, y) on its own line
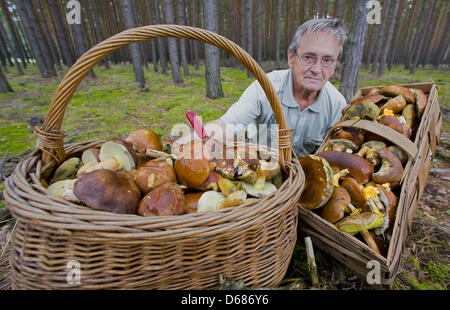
point(139, 173)
point(354, 182)
point(395, 106)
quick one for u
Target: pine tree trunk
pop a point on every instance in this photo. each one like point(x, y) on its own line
point(249, 28)
point(135, 53)
point(173, 48)
point(17, 42)
point(14, 51)
point(401, 23)
point(278, 34)
point(259, 26)
point(354, 51)
point(50, 44)
point(439, 55)
point(422, 38)
point(35, 37)
point(161, 42)
point(415, 34)
point(212, 69)
point(381, 35)
point(96, 10)
point(4, 85)
point(387, 43)
point(183, 48)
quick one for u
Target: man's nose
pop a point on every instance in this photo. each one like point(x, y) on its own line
point(316, 67)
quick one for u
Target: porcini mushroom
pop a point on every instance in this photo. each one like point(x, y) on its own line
point(394, 123)
point(91, 155)
point(267, 189)
point(341, 145)
point(192, 202)
point(114, 155)
point(108, 190)
point(153, 173)
point(318, 181)
point(166, 199)
point(143, 139)
point(409, 114)
point(391, 170)
point(390, 201)
point(399, 153)
point(211, 182)
point(58, 188)
point(397, 90)
point(265, 171)
point(209, 201)
point(362, 223)
point(395, 104)
point(359, 168)
point(355, 191)
point(362, 110)
point(192, 167)
point(67, 170)
point(369, 148)
point(334, 209)
point(234, 199)
point(421, 101)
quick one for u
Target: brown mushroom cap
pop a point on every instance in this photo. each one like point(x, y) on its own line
point(397, 90)
point(108, 190)
point(166, 199)
point(391, 170)
point(318, 181)
point(192, 167)
point(355, 192)
point(192, 201)
point(143, 139)
point(395, 104)
point(359, 168)
point(333, 210)
point(421, 101)
point(211, 182)
point(152, 174)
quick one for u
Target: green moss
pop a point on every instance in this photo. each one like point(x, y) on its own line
point(16, 138)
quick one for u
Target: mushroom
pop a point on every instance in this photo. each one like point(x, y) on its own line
point(398, 152)
point(267, 189)
point(372, 98)
point(318, 181)
point(362, 223)
point(395, 105)
point(409, 114)
point(59, 188)
point(397, 90)
point(108, 190)
point(166, 199)
point(362, 110)
point(359, 168)
point(338, 175)
point(390, 201)
point(114, 155)
point(211, 182)
point(227, 168)
point(392, 122)
point(245, 171)
point(90, 155)
point(234, 199)
point(192, 201)
point(353, 134)
point(421, 101)
point(209, 201)
point(67, 170)
point(372, 90)
point(192, 167)
point(370, 146)
point(355, 191)
point(227, 187)
point(391, 170)
point(341, 145)
point(143, 139)
point(152, 174)
point(371, 194)
point(334, 209)
point(265, 171)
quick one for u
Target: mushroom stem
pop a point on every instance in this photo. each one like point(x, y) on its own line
point(352, 209)
point(262, 174)
point(338, 175)
point(110, 163)
point(370, 242)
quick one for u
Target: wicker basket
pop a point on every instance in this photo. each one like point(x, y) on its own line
point(349, 250)
point(253, 242)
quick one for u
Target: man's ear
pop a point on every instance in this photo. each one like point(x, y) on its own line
point(290, 57)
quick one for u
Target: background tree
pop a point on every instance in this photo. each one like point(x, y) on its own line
point(135, 53)
point(4, 85)
point(173, 49)
point(354, 50)
point(212, 71)
point(392, 18)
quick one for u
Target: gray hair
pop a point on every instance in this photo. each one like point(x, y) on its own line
point(332, 26)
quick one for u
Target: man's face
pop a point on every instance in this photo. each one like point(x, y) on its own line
point(313, 77)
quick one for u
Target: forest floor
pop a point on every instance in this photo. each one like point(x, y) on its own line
point(113, 98)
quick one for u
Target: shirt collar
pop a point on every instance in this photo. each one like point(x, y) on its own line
point(288, 96)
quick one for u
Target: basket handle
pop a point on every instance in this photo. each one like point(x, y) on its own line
point(50, 136)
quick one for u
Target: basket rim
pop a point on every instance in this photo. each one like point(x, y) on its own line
point(28, 200)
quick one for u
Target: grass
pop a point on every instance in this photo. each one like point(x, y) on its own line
point(111, 104)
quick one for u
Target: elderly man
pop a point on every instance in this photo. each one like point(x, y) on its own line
point(310, 103)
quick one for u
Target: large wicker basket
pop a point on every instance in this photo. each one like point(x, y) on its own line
point(253, 242)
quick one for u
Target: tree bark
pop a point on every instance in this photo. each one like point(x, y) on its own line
point(212, 69)
point(387, 43)
point(14, 51)
point(277, 34)
point(439, 55)
point(400, 29)
point(135, 53)
point(173, 48)
point(422, 38)
point(356, 40)
point(4, 85)
point(259, 26)
point(35, 37)
point(380, 39)
point(183, 47)
point(161, 41)
point(415, 34)
point(17, 43)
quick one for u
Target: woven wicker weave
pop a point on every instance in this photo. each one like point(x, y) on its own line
point(253, 242)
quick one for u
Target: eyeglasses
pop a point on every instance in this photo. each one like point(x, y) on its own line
point(309, 60)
